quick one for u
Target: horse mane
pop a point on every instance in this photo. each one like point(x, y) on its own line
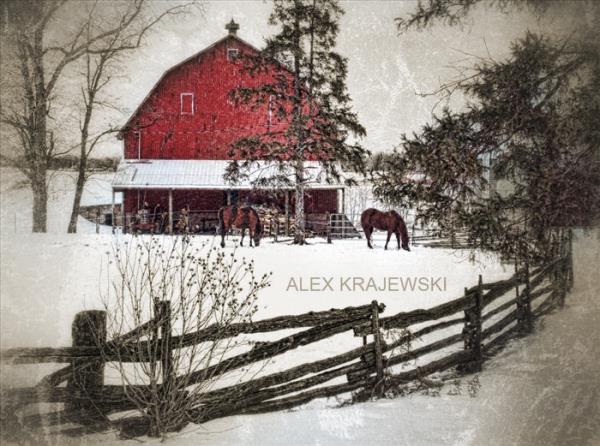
point(401, 226)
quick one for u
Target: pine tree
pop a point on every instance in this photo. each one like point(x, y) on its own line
point(529, 122)
point(310, 113)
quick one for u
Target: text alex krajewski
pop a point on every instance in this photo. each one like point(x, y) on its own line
point(363, 284)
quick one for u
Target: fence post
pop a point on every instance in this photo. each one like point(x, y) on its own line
point(527, 302)
point(377, 341)
point(163, 318)
point(472, 331)
point(477, 337)
point(328, 229)
point(88, 330)
point(524, 314)
point(466, 328)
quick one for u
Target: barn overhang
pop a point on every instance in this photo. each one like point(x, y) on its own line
point(209, 175)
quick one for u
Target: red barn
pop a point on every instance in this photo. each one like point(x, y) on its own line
point(177, 142)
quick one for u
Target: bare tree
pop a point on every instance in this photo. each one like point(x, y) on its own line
point(42, 47)
point(101, 63)
point(208, 291)
point(358, 198)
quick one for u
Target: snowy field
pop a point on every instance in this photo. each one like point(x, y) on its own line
point(47, 278)
point(59, 274)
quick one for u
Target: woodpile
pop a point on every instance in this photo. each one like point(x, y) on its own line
point(275, 222)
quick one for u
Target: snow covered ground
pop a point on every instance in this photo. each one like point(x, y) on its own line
point(540, 388)
point(58, 274)
point(16, 201)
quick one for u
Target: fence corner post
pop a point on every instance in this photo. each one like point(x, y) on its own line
point(88, 330)
point(377, 343)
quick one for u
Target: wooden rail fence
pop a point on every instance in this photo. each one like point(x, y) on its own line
point(465, 331)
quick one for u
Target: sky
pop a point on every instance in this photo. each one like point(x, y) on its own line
point(387, 72)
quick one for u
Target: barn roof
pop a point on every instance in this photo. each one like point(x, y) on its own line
point(204, 174)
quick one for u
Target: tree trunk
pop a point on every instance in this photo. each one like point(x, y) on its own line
point(77, 200)
point(40, 201)
point(38, 98)
point(299, 147)
point(299, 210)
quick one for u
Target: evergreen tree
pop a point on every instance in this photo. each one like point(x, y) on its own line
point(310, 114)
point(531, 121)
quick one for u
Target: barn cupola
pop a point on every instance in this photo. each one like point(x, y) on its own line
point(232, 27)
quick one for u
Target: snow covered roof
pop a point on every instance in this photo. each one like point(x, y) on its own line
point(203, 174)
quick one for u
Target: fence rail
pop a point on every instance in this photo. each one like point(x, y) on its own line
point(487, 313)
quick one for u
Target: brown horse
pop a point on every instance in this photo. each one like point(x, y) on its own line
point(390, 221)
point(241, 218)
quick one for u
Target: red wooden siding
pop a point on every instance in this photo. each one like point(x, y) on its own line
point(210, 122)
point(189, 115)
point(320, 201)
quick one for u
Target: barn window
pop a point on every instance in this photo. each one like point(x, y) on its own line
point(187, 103)
point(232, 54)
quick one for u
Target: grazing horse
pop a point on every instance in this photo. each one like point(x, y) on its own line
point(390, 221)
point(241, 218)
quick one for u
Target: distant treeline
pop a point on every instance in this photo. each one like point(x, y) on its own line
point(71, 162)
